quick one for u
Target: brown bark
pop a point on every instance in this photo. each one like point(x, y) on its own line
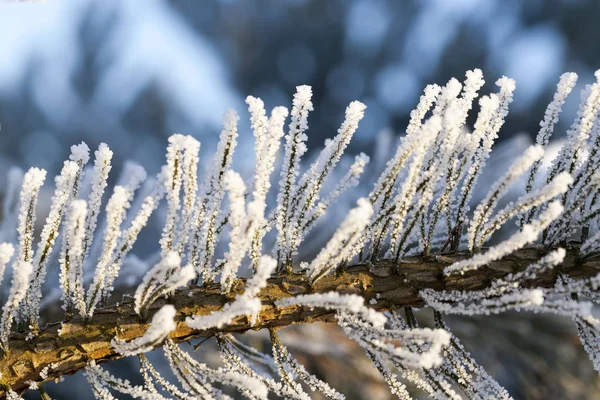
point(389, 284)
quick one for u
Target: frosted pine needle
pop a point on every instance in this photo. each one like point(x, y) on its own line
point(405, 196)
point(239, 237)
point(307, 192)
point(286, 362)
point(115, 214)
point(164, 277)
point(494, 110)
point(32, 181)
point(343, 245)
point(425, 102)
point(559, 185)
point(209, 210)
point(260, 125)
point(528, 234)
point(190, 188)
point(100, 380)
point(295, 147)
point(64, 190)
point(570, 155)
point(71, 258)
point(102, 167)
point(173, 182)
point(563, 89)
point(350, 180)
point(487, 205)
point(6, 252)
point(20, 285)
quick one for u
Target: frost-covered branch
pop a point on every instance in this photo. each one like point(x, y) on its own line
point(83, 340)
point(210, 274)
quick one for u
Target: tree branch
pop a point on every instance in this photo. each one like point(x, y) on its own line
point(66, 348)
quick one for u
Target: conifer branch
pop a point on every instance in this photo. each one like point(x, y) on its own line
point(65, 348)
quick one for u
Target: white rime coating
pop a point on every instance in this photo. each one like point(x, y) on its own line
point(62, 194)
point(570, 155)
point(148, 206)
point(497, 107)
point(576, 213)
point(349, 303)
point(591, 244)
point(449, 149)
point(260, 125)
point(80, 154)
point(210, 205)
point(267, 153)
point(134, 177)
point(116, 209)
point(563, 89)
point(225, 316)
point(10, 204)
point(343, 245)
point(71, 257)
point(181, 171)
point(528, 234)
point(239, 238)
point(499, 188)
point(404, 199)
point(32, 182)
point(104, 276)
point(488, 105)
point(471, 376)
point(236, 359)
point(287, 366)
point(202, 377)
point(309, 186)
point(259, 279)
point(22, 272)
point(425, 102)
point(100, 381)
point(102, 167)
point(550, 260)
point(348, 181)
point(373, 340)
point(12, 395)
point(465, 144)
point(383, 189)
point(295, 147)
point(164, 277)
point(190, 190)
point(446, 99)
point(150, 374)
point(245, 304)
point(6, 252)
point(396, 387)
point(274, 134)
point(163, 323)
point(559, 185)
point(173, 183)
point(525, 299)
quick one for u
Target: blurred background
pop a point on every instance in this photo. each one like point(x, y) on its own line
point(131, 73)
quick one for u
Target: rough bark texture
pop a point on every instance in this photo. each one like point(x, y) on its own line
point(388, 283)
